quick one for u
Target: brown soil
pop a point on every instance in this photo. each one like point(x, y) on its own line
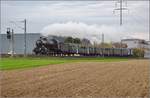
point(86, 79)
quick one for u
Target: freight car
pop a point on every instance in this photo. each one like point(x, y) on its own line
point(52, 47)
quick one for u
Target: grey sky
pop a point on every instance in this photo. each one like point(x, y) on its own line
point(96, 15)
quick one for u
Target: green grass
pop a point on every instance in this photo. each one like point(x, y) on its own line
point(28, 62)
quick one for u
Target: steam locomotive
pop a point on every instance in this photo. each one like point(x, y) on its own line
point(45, 46)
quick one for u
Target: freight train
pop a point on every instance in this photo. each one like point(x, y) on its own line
point(52, 47)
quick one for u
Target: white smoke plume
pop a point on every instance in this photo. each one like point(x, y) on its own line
point(82, 30)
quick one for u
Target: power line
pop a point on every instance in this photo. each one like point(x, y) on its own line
point(121, 8)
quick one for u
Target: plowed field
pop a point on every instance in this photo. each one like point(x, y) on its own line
point(85, 79)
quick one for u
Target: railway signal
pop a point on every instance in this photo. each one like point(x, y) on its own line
point(8, 33)
point(10, 37)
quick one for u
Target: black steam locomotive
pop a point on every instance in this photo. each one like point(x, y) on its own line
point(45, 46)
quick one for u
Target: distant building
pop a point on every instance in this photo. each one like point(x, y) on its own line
point(136, 43)
point(119, 45)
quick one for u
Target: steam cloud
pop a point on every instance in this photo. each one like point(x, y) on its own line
point(82, 30)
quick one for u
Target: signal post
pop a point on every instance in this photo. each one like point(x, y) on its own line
point(10, 37)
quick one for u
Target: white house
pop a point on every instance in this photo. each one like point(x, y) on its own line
point(138, 43)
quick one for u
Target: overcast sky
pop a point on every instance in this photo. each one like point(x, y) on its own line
point(87, 19)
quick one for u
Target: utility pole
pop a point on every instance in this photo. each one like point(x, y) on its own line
point(149, 20)
point(25, 31)
point(12, 40)
point(102, 38)
point(121, 46)
point(120, 12)
point(103, 48)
